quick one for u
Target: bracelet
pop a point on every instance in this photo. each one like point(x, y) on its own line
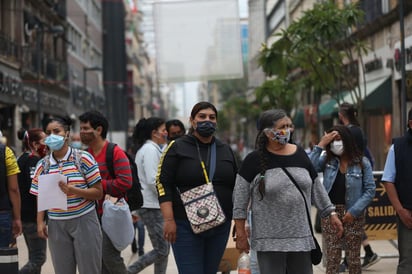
point(333, 213)
point(168, 220)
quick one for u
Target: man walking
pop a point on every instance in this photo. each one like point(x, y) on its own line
point(397, 177)
point(93, 131)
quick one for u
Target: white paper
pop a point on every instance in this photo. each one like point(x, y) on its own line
point(49, 194)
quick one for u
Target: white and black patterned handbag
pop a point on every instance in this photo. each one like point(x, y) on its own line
point(202, 207)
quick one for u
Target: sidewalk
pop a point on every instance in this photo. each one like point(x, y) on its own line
point(387, 265)
point(385, 249)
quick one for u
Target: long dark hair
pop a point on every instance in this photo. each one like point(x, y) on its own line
point(143, 130)
point(350, 112)
point(266, 120)
point(351, 151)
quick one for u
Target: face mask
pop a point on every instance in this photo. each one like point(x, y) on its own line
point(336, 147)
point(281, 136)
point(87, 137)
point(42, 150)
point(54, 142)
point(206, 128)
point(76, 144)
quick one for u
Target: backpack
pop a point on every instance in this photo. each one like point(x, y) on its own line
point(134, 194)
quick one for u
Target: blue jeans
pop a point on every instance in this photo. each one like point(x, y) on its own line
point(199, 253)
point(6, 231)
point(140, 234)
point(36, 247)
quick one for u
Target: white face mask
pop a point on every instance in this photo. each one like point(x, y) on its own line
point(337, 147)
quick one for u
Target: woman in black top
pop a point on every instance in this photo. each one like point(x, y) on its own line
point(33, 150)
point(180, 169)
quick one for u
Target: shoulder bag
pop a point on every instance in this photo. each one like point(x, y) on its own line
point(316, 253)
point(201, 204)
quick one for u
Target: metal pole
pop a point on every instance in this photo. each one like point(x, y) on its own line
point(39, 34)
point(403, 70)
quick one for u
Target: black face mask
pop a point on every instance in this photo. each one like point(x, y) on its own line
point(206, 128)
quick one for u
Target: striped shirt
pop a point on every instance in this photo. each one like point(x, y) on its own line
point(87, 177)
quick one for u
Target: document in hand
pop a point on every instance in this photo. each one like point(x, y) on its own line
point(49, 194)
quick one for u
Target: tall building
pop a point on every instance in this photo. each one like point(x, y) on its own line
point(85, 57)
point(33, 64)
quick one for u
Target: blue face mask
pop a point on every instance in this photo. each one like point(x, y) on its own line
point(54, 142)
point(76, 144)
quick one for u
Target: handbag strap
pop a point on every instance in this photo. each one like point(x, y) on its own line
point(212, 169)
point(306, 205)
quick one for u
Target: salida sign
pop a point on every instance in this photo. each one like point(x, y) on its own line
point(380, 215)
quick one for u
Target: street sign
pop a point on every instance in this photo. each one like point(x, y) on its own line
point(380, 219)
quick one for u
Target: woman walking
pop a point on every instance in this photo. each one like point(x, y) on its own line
point(33, 150)
point(180, 171)
point(150, 135)
point(348, 179)
point(268, 181)
point(74, 234)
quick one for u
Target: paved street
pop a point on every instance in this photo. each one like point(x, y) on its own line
point(385, 249)
point(385, 266)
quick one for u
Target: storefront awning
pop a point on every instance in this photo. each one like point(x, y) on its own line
point(378, 95)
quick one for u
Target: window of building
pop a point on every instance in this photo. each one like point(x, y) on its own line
point(372, 9)
point(7, 10)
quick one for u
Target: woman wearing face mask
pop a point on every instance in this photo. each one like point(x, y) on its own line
point(180, 169)
point(74, 232)
point(33, 150)
point(150, 136)
point(281, 233)
point(348, 179)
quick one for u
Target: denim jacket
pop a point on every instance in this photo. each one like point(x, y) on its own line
point(360, 185)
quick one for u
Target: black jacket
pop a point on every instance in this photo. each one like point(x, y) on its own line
point(27, 164)
point(180, 168)
point(403, 158)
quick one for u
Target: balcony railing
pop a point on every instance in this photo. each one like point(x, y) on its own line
point(8, 48)
point(40, 62)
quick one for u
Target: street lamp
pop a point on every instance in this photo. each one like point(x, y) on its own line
point(55, 30)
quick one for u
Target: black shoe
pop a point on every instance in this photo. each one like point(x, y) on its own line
point(134, 246)
point(370, 260)
point(141, 252)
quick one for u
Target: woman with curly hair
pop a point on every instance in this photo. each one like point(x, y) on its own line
point(348, 179)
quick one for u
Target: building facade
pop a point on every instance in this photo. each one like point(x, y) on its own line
point(85, 57)
point(33, 64)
